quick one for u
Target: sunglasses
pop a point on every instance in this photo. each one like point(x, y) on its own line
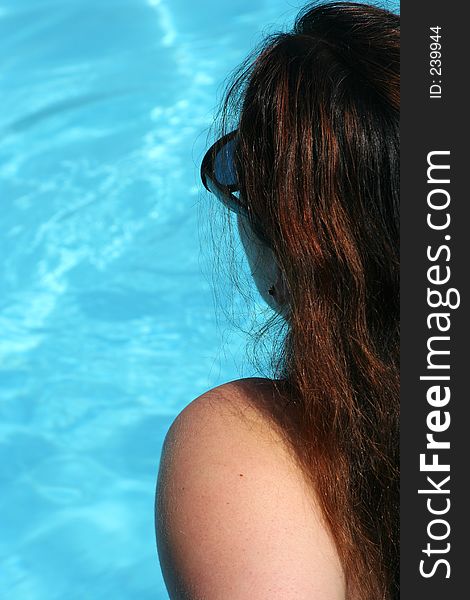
point(218, 172)
point(219, 176)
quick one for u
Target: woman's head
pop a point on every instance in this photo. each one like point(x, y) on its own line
point(317, 145)
point(316, 157)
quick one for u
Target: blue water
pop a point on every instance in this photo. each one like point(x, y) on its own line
point(107, 321)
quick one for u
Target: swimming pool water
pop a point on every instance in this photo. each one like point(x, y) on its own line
point(107, 326)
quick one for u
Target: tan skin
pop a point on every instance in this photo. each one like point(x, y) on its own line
point(235, 517)
point(264, 269)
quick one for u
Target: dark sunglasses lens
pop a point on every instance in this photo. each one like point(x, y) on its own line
point(224, 164)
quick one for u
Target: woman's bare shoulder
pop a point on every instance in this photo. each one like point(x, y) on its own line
point(239, 404)
point(234, 516)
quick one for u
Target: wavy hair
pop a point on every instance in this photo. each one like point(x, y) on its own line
point(318, 164)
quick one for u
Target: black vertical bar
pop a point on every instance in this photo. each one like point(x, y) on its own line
point(434, 123)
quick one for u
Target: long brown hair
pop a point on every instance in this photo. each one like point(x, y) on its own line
point(318, 164)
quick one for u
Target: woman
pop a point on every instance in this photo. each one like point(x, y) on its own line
point(287, 488)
